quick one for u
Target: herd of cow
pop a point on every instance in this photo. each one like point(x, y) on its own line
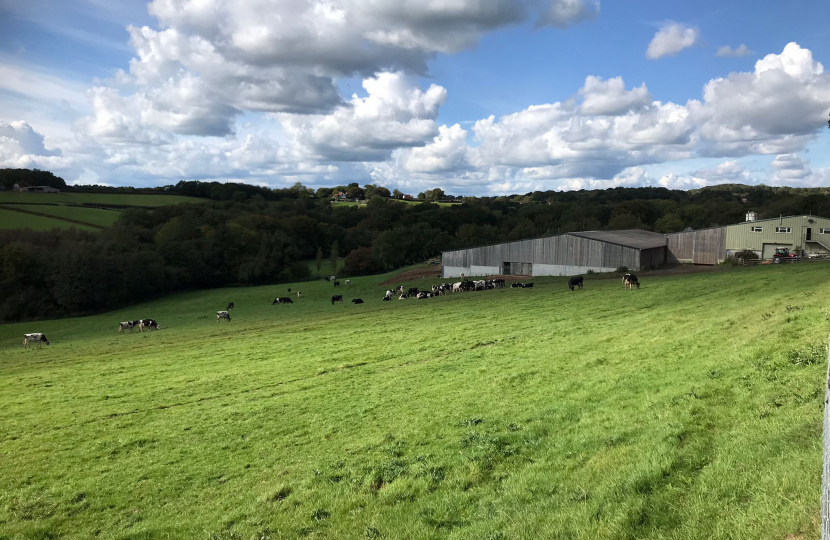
point(630, 281)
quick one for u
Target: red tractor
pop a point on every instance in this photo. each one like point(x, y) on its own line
point(784, 255)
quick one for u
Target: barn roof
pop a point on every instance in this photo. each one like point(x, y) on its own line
point(633, 238)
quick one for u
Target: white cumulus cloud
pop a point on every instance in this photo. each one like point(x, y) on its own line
point(670, 39)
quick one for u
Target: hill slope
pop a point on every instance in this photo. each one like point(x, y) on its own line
point(688, 409)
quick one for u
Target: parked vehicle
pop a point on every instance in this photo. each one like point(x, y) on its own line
point(784, 255)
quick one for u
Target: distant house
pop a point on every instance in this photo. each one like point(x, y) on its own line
point(340, 196)
point(407, 196)
point(24, 187)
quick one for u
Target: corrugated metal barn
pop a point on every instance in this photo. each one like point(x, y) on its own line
point(563, 255)
point(704, 246)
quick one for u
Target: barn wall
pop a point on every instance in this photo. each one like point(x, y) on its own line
point(706, 246)
point(652, 257)
point(554, 255)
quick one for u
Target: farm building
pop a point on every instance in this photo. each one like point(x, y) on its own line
point(24, 187)
point(561, 255)
point(810, 234)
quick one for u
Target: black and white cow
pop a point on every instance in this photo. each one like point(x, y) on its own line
point(230, 307)
point(516, 285)
point(389, 294)
point(575, 282)
point(299, 294)
point(336, 283)
point(282, 300)
point(402, 297)
point(337, 298)
point(399, 289)
point(348, 282)
point(527, 285)
point(34, 338)
point(386, 298)
point(149, 324)
point(412, 291)
point(223, 315)
point(630, 281)
point(126, 325)
point(357, 301)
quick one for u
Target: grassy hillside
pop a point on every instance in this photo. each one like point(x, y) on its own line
point(690, 409)
point(9, 219)
point(127, 199)
point(95, 216)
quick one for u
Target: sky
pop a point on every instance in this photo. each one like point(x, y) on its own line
point(477, 97)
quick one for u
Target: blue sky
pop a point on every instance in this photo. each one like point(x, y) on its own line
point(261, 91)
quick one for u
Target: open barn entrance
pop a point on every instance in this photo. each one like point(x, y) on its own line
point(517, 269)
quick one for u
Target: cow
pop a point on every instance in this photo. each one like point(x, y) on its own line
point(412, 291)
point(289, 290)
point(230, 307)
point(399, 289)
point(332, 278)
point(630, 281)
point(149, 324)
point(336, 283)
point(575, 282)
point(456, 287)
point(402, 297)
point(282, 300)
point(34, 338)
point(299, 295)
point(223, 315)
point(326, 278)
point(527, 285)
point(348, 282)
point(499, 283)
point(467, 285)
point(516, 285)
point(337, 298)
point(126, 325)
point(389, 294)
point(357, 301)
point(386, 298)
point(479, 285)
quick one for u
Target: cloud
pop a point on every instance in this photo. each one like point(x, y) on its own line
point(563, 13)
point(790, 167)
point(670, 39)
point(23, 147)
point(610, 97)
point(741, 50)
point(729, 171)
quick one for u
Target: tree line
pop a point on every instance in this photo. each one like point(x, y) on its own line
point(257, 240)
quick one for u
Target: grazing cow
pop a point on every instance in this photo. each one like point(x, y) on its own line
point(357, 301)
point(468, 286)
point(630, 281)
point(149, 324)
point(223, 315)
point(348, 282)
point(336, 283)
point(527, 285)
point(127, 325)
point(402, 297)
point(412, 291)
point(299, 295)
point(282, 300)
point(230, 307)
point(516, 285)
point(499, 283)
point(34, 338)
point(574, 282)
point(387, 298)
point(479, 285)
point(337, 298)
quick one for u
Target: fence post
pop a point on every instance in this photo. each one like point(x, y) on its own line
point(825, 476)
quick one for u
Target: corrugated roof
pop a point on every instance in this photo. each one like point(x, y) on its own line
point(634, 238)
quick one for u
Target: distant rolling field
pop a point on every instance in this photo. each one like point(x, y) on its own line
point(689, 409)
point(10, 219)
point(95, 216)
point(127, 199)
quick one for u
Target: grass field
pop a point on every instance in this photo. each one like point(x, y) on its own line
point(9, 219)
point(127, 199)
point(96, 216)
point(690, 409)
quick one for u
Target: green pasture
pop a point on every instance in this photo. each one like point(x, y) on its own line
point(689, 409)
point(9, 219)
point(96, 216)
point(126, 199)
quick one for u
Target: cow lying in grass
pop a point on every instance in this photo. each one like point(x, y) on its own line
point(630, 281)
point(282, 300)
point(126, 325)
point(575, 282)
point(223, 315)
point(357, 301)
point(34, 338)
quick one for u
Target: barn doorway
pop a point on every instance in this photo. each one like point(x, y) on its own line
point(517, 269)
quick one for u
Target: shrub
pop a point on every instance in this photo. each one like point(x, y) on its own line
point(622, 269)
point(745, 255)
